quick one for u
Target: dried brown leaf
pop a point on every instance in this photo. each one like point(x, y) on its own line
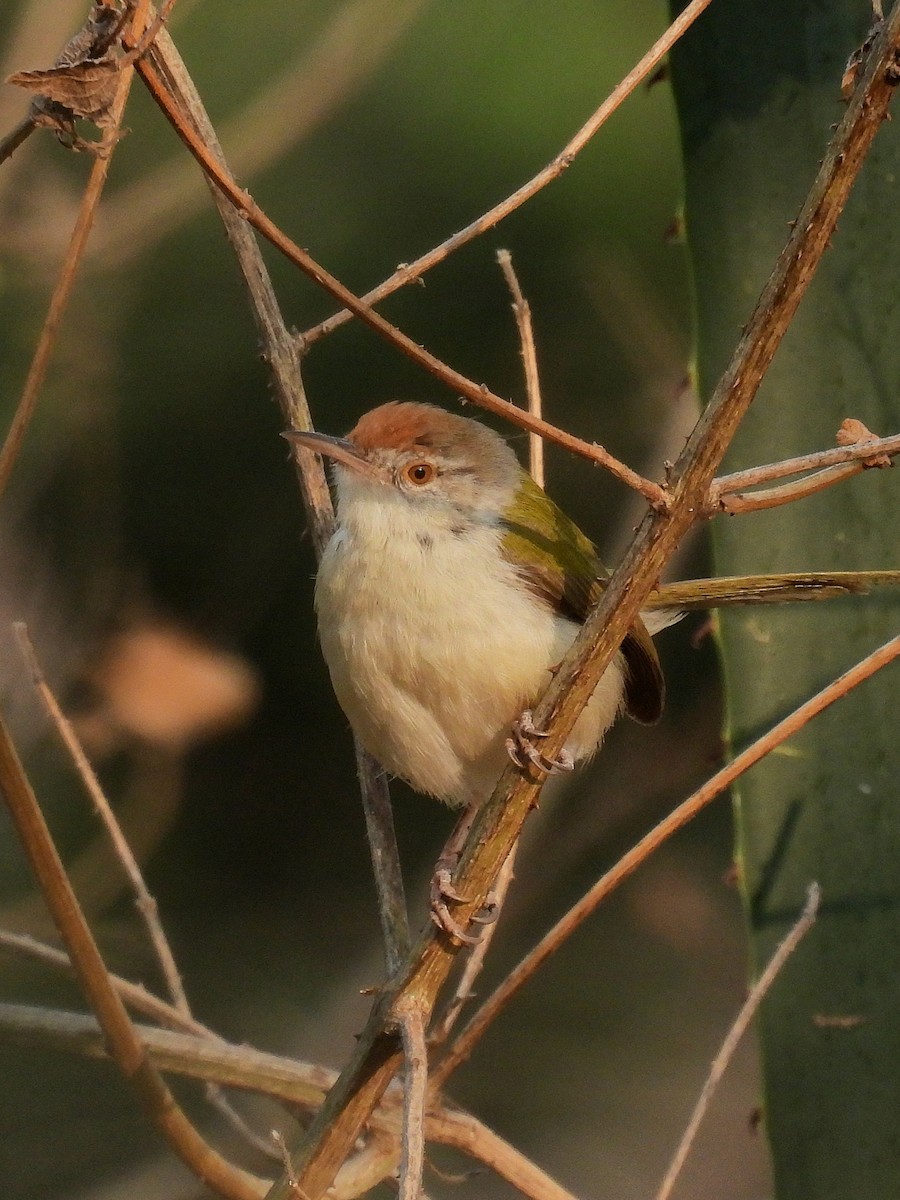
point(84, 89)
point(82, 81)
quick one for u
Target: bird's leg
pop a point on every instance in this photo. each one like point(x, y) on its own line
point(522, 751)
point(443, 893)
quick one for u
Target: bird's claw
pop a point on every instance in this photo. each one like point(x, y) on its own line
point(443, 894)
point(522, 751)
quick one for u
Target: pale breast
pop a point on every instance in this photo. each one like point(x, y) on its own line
point(434, 648)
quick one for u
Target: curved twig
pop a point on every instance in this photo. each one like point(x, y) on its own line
point(411, 272)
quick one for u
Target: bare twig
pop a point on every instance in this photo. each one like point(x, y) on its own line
point(474, 964)
point(124, 1043)
point(737, 503)
point(727, 493)
point(468, 1134)
point(385, 859)
point(411, 1019)
point(522, 312)
point(462, 1047)
point(479, 394)
point(279, 350)
point(748, 1011)
point(289, 1081)
point(133, 994)
point(410, 272)
point(792, 587)
point(10, 143)
point(145, 902)
point(63, 290)
point(349, 48)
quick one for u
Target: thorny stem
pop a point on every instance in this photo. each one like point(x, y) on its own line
point(463, 1046)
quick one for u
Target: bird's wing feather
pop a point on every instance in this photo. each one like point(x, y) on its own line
point(559, 564)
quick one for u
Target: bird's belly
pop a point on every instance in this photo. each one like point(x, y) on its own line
point(432, 670)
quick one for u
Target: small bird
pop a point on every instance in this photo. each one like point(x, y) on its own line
point(447, 595)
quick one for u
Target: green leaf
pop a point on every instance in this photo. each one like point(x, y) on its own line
point(758, 89)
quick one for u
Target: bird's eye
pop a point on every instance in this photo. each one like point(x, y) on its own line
point(419, 473)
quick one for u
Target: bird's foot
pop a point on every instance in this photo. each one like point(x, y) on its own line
point(443, 894)
point(522, 751)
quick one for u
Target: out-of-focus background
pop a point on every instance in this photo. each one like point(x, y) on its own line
point(154, 541)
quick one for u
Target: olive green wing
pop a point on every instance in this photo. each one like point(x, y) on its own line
point(560, 566)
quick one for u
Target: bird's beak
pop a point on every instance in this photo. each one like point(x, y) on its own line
point(339, 449)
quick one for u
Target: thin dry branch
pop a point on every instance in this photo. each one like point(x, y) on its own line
point(121, 1036)
point(728, 494)
point(351, 46)
point(499, 822)
point(522, 312)
point(145, 902)
point(411, 272)
point(463, 1046)
point(133, 994)
point(65, 282)
point(11, 141)
point(411, 1018)
point(382, 841)
point(479, 394)
point(474, 964)
point(720, 1063)
point(287, 1080)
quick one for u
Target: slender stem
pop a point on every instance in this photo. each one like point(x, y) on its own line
point(796, 586)
point(385, 859)
point(736, 503)
point(10, 143)
point(62, 291)
point(411, 1019)
point(133, 994)
point(465, 988)
point(145, 902)
point(411, 272)
point(748, 1011)
point(292, 1082)
point(122, 1038)
point(522, 312)
point(726, 492)
point(463, 1046)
